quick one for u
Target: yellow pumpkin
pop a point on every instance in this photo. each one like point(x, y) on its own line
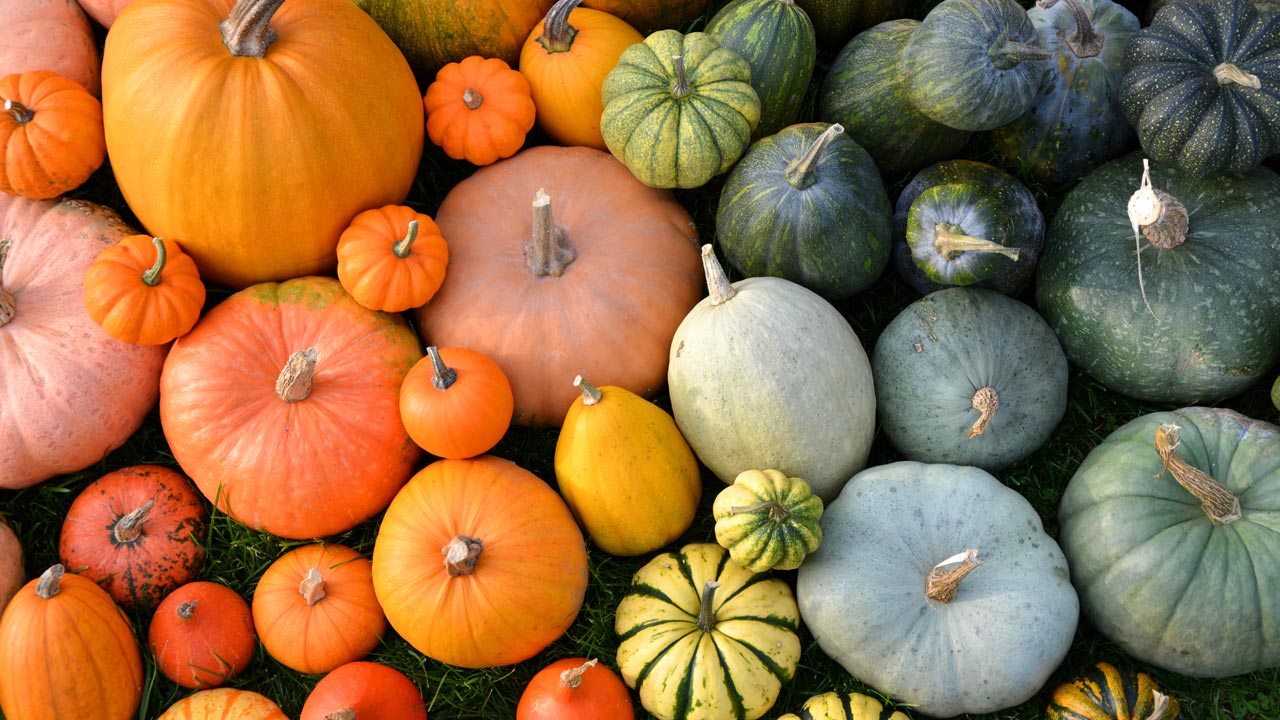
point(853, 706)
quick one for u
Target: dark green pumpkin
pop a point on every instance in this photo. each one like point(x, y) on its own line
point(1202, 86)
point(838, 20)
point(807, 204)
point(1075, 122)
point(1208, 324)
point(864, 92)
point(966, 223)
point(776, 39)
point(1105, 692)
point(973, 64)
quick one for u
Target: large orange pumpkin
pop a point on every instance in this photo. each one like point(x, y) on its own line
point(49, 35)
point(258, 152)
point(224, 704)
point(511, 573)
point(283, 406)
point(615, 269)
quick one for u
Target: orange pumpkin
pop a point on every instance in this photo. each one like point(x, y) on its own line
point(392, 258)
point(202, 634)
point(456, 403)
point(50, 35)
point(314, 608)
point(224, 704)
point(565, 60)
point(144, 290)
point(12, 572)
point(68, 653)
point(283, 381)
point(365, 690)
point(612, 273)
point(575, 689)
point(479, 110)
point(213, 130)
point(650, 15)
point(50, 134)
point(513, 568)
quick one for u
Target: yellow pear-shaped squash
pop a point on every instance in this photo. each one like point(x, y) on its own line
point(625, 470)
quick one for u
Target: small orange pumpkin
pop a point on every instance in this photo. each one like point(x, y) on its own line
point(144, 290)
point(224, 704)
point(479, 110)
point(51, 136)
point(456, 403)
point(575, 689)
point(392, 258)
point(365, 690)
point(202, 635)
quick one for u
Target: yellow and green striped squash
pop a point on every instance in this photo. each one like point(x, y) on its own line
point(853, 706)
point(1104, 692)
point(768, 521)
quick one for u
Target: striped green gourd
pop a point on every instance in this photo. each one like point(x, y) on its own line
point(768, 521)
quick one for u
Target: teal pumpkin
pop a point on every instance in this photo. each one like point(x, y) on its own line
point(808, 205)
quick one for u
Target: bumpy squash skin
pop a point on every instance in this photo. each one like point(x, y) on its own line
point(1104, 692)
point(853, 706)
point(768, 521)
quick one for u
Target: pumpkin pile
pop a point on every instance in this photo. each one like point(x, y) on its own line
point(674, 359)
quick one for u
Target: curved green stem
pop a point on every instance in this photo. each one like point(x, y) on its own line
point(152, 275)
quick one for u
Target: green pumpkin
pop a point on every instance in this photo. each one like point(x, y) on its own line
point(678, 109)
point(1205, 104)
point(864, 92)
point(1105, 692)
point(838, 20)
point(1202, 321)
point(1275, 393)
point(973, 64)
point(853, 706)
point(776, 39)
point(768, 521)
point(1170, 528)
point(808, 205)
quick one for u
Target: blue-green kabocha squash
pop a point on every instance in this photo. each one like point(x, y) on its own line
point(969, 377)
point(1201, 85)
point(1198, 319)
point(966, 223)
point(808, 205)
point(1075, 122)
point(1170, 529)
point(973, 64)
point(864, 92)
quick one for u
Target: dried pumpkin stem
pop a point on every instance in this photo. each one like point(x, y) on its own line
point(777, 511)
point(680, 86)
point(461, 555)
point(985, 401)
point(443, 376)
point(129, 526)
point(557, 34)
point(1227, 73)
point(1084, 41)
point(1219, 503)
point(472, 98)
point(8, 305)
point(590, 393)
point(1007, 53)
point(294, 382)
point(572, 677)
point(718, 286)
point(404, 246)
point(345, 713)
point(247, 31)
point(187, 609)
point(706, 613)
point(1159, 704)
point(50, 582)
point(1161, 217)
point(21, 113)
point(312, 587)
point(950, 241)
point(548, 253)
point(801, 172)
point(152, 275)
point(942, 585)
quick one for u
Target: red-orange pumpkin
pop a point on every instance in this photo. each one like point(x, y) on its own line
point(575, 689)
point(224, 704)
point(144, 290)
point(365, 691)
point(202, 634)
point(479, 110)
point(456, 403)
point(49, 35)
point(50, 134)
point(392, 258)
point(12, 573)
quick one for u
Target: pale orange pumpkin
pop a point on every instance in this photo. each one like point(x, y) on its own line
point(49, 35)
point(392, 258)
point(224, 704)
point(50, 134)
point(104, 12)
point(144, 290)
point(479, 110)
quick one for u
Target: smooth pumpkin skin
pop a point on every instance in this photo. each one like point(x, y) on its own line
point(457, 410)
point(650, 15)
point(371, 689)
point(129, 308)
point(1105, 692)
point(51, 137)
point(104, 387)
point(853, 706)
point(13, 574)
point(50, 35)
point(250, 450)
point(575, 689)
point(224, 704)
point(201, 141)
point(202, 634)
point(496, 127)
point(373, 270)
point(1154, 572)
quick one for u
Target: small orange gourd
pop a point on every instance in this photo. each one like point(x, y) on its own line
point(202, 635)
point(144, 290)
point(575, 689)
point(456, 403)
point(392, 258)
point(224, 704)
point(479, 110)
point(51, 135)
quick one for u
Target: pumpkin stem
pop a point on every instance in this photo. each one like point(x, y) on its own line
point(129, 526)
point(152, 275)
point(680, 88)
point(985, 401)
point(801, 171)
point(548, 253)
point(50, 582)
point(1007, 53)
point(942, 585)
point(950, 242)
point(557, 34)
point(1084, 41)
point(294, 381)
point(706, 613)
point(1219, 503)
point(345, 713)
point(1160, 217)
point(312, 587)
point(21, 113)
point(1227, 73)
point(461, 555)
point(444, 376)
point(187, 609)
point(403, 247)
point(572, 677)
point(777, 511)
point(1159, 705)
point(590, 393)
point(472, 98)
point(718, 286)
point(7, 302)
point(247, 31)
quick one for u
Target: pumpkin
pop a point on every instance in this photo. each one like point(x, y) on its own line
point(767, 521)
point(678, 109)
point(392, 258)
point(104, 11)
point(625, 471)
point(144, 290)
point(1202, 98)
point(776, 39)
point(105, 388)
point(228, 164)
point(1162, 523)
point(314, 608)
point(1105, 692)
point(513, 568)
point(764, 373)
point(479, 110)
point(287, 380)
point(650, 15)
point(50, 35)
point(1194, 315)
point(12, 571)
point(364, 690)
point(836, 21)
point(50, 134)
point(202, 635)
point(702, 637)
point(808, 205)
point(864, 92)
point(615, 270)
point(575, 689)
point(973, 64)
point(138, 532)
point(69, 653)
point(224, 704)
point(1275, 393)
point(853, 706)
point(456, 403)
point(969, 377)
point(565, 60)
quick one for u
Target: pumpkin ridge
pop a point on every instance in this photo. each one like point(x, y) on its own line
point(773, 667)
point(735, 697)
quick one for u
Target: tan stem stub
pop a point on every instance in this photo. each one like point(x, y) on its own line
point(572, 677)
point(461, 555)
point(1159, 705)
point(1227, 73)
point(312, 587)
point(8, 304)
point(404, 246)
point(986, 401)
point(1161, 217)
point(21, 113)
point(802, 172)
point(548, 253)
point(345, 713)
point(50, 582)
point(294, 382)
point(472, 98)
point(557, 34)
point(943, 582)
point(680, 88)
point(777, 511)
point(129, 527)
point(950, 242)
point(707, 609)
point(590, 393)
point(152, 274)
point(247, 31)
point(443, 377)
point(188, 609)
point(1219, 503)
point(719, 289)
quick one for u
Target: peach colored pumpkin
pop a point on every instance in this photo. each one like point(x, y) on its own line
point(49, 35)
point(224, 704)
point(104, 12)
point(12, 573)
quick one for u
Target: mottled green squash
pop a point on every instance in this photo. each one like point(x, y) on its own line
point(838, 20)
point(768, 521)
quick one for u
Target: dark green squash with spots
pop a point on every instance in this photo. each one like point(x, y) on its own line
point(1105, 692)
point(836, 21)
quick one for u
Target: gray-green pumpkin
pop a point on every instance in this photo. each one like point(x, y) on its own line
point(808, 205)
point(969, 377)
